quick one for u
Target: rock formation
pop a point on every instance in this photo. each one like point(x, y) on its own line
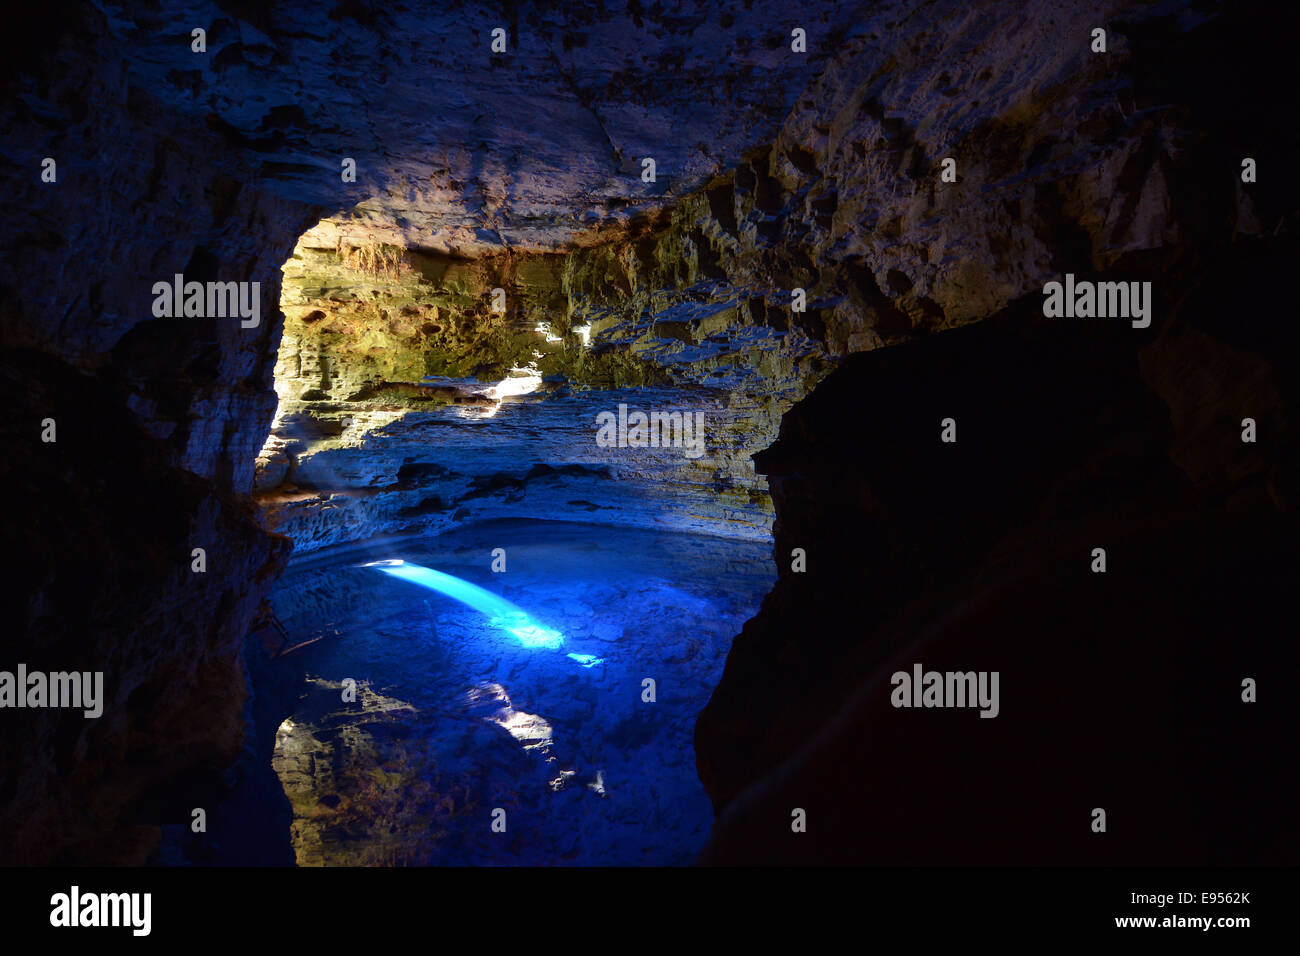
point(523, 170)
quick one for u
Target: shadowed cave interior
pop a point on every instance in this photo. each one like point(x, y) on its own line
point(446, 342)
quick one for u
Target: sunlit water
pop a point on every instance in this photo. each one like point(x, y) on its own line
point(517, 699)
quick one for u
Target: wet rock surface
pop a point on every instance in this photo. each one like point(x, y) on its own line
point(375, 355)
point(536, 456)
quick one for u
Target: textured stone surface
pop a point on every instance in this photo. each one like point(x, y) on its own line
point(971, 554)
point(159, 421)
point(536, 457)
point(1067, 161)
point(101, 581)
point(461, 150)
point(977, 556)
point(657, 333)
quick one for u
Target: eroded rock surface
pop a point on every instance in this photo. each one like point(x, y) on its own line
point(1069, 432)
point(403, 368)
point(1066, 160)
point(523, 171)
point(1125, 686)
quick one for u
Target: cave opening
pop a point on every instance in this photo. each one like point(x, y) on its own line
point(523, 543)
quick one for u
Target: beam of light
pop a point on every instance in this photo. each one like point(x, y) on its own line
point(522, 381)
point(518, 384)
point(500, 612)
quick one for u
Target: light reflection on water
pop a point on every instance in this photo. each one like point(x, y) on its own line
point(590, 771)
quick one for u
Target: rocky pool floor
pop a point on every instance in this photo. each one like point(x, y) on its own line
point(463, 746)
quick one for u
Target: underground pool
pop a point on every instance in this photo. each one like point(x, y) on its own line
point(542, 713)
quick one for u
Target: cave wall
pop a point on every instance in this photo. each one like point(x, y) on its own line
point(157, 423)
point(1067, 161)
point(1119, 690)
point(665, 316)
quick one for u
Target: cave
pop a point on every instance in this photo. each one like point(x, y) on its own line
point(429, 479)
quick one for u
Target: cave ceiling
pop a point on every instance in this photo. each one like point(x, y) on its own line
point(467, 154)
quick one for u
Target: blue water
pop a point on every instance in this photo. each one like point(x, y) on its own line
point(500, 612)
point(515, 696)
